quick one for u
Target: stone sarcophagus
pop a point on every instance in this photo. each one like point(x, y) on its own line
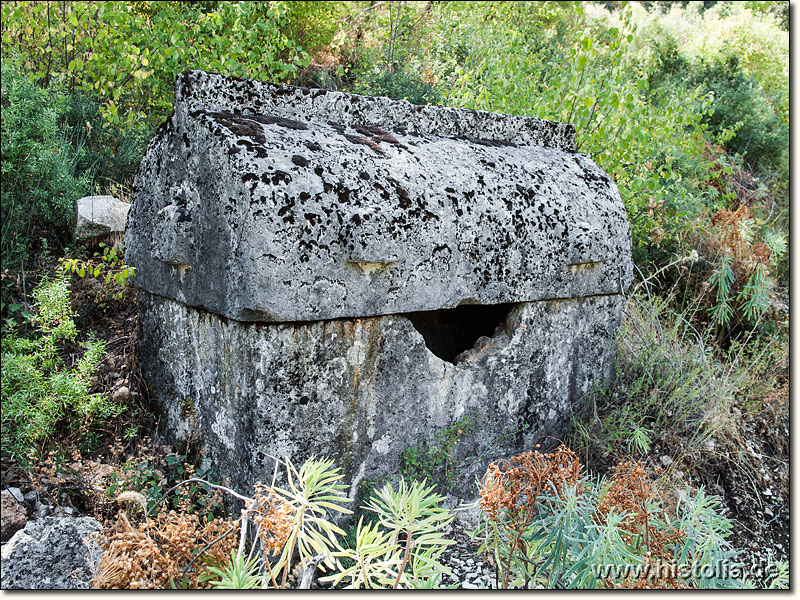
point(328, 274)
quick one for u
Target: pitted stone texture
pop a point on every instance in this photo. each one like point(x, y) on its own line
point(313, 205)
point(198, 90)
point(361, 391)
point(51, 554)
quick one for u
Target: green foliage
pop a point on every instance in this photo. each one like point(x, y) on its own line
point(580, 538)
point(313, 493)
point(667, 385)
point(313, 25)
point(754, 297)
point(742, 116)
point(721, 282)
point(128, 54)
point(400, 83)
point(738, 53)
point(40, 162)
point(402, 547)
point(109, 267)
point(414, 518)
point(639, 441)
point(110, 264)
point(740, 106)
point(42, 394)
point(154, 476)
point(740, 280)
point(238, 574)
point(110, 155)
point(433, 461)
point(371, 562)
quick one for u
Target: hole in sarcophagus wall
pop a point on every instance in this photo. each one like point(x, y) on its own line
point(449, 332)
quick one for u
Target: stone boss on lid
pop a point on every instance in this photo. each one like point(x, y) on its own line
point(331, 274)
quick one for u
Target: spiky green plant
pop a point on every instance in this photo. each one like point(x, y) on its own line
point(572, 544)
point(414, 517)
point(640, 441)
point(238, 574)
point(314, 493)
point(754, 297)
point(375, 559)
point(721, 281)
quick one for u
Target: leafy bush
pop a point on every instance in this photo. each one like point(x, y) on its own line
point(108, 267)
point(41, 165)
point(742, 112)
point(41, 391)
point(127, 55)
point(545, 523)
point(748, 30)
point(742, 117)
point(111, 154)
point(398, 83)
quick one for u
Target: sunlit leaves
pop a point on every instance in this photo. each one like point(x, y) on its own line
point(130, 53)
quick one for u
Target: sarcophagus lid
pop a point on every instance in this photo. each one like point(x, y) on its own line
point(276, 203)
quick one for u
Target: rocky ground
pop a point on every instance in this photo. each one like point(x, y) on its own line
point(468, 570)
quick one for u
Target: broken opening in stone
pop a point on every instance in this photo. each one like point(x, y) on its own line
point(450, 331)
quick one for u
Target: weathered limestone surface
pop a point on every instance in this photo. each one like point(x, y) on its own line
point(364, 390)
point(263, 203)
point(299, 253)
point(96, 216)
point(51, 554)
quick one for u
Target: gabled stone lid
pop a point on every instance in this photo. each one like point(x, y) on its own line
point(210, 92)
point(269, 203)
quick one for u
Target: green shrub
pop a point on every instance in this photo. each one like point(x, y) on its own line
point(399, 83)
point(41, 165)
point(546, 524)
point(675, 391)
point(109, 268)
point(741, 108)
point(738, 52)
point(126, 55)
point(111, 154)
point(42, 394)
